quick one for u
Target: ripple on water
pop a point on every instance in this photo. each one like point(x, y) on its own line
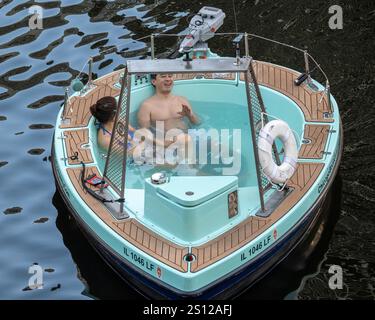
point(41, 126)
point(61, 79)
point(36, 151)
point(45, 101)
point(3, 91)
point(91, 38)
point(56, 287)
point(13, 210)
point(41, 220)
point(105, 64)
point(3, 163)
point(43, 53)
point(8, 56)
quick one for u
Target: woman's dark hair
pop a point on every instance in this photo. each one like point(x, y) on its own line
point(104, 109)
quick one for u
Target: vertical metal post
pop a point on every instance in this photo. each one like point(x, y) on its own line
point(253, 138)
point(89, 83)
point(152, 46)
point(254, 79)
point(238, 61)
point(328, 88)
point(112, 141)
point(66, 101)
point(246, 45)
point(307, 66)
point(122, 195)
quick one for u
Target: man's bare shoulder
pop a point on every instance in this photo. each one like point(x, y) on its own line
point(183, 99)
point(147, 103)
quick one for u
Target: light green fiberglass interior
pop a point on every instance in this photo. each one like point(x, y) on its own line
point(219, 104)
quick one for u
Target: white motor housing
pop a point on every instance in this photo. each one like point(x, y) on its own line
point(203, 26)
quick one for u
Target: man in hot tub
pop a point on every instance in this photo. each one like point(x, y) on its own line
point(167, 117)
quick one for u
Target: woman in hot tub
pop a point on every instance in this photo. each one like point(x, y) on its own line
point(104, 111)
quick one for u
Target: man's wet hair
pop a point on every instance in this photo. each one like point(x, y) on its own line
point(153, 77)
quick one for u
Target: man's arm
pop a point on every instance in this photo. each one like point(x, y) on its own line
point(144, 116)
point(192, 116)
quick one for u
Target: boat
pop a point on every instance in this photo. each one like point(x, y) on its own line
point(206, 229)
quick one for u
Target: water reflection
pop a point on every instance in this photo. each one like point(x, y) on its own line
point(100, 281)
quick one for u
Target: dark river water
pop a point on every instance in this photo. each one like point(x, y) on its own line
point(36, 65)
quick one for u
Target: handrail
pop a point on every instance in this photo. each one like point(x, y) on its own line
point(318, 65)
point(254, 36)
point(160, 35)
point(246, 35)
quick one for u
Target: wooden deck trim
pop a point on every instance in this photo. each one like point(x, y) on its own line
point(74, 140)
point(131, 230)
point(318, 134)
point(281, 79)
point(109, 80)
point(234, 239)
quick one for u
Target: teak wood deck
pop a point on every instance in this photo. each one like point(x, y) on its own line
point(74, 142)
point(78, 112)
point(276, 77)
point(316, 136)
point(314, 105)
point(130, 229)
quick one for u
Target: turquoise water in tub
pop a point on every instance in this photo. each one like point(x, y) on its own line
point(230, 122)
point(213, 116)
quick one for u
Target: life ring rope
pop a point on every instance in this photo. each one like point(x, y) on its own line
point(296, 135)
point(277, 186)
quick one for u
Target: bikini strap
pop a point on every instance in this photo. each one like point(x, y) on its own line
point(104, 129)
